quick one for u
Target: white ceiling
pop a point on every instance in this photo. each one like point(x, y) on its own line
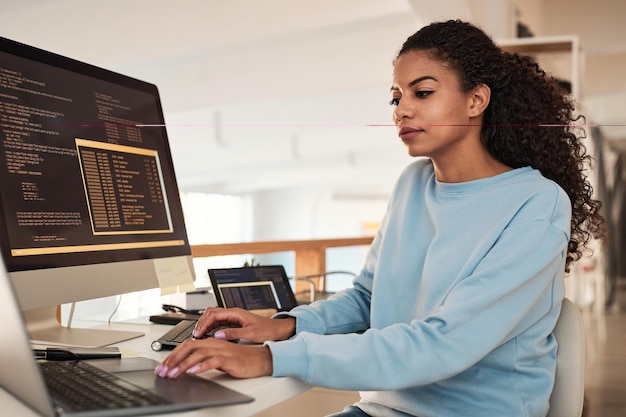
point(273, 94)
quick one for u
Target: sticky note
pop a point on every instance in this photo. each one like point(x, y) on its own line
point(174, 275)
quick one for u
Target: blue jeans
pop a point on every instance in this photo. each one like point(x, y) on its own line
point(350, 411)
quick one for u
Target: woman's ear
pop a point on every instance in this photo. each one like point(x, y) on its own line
point(479, 100)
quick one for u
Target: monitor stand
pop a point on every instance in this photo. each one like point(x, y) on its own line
point(44, 328)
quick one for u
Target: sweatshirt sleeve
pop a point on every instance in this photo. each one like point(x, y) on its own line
point(512, 289)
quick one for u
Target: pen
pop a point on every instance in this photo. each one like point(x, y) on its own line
point(69, 354)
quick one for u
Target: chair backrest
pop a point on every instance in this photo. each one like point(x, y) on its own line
point(567, 395)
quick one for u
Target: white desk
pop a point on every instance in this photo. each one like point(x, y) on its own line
point(266, 391)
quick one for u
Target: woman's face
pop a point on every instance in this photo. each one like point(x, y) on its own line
point(434, 118)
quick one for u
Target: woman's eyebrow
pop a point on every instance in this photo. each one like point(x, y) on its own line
point(416, 81)
point(420, 79)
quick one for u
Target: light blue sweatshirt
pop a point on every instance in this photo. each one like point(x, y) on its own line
point(452, 314)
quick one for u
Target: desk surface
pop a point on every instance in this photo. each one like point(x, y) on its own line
point(266, 391)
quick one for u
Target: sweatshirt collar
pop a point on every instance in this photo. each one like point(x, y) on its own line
point(479, 184)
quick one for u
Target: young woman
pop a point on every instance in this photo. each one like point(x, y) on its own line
point(453, 311)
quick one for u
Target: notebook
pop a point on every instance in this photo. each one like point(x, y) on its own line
point(259, 288)
point(21, 374)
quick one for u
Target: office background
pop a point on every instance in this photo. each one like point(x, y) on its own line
point(276, 109)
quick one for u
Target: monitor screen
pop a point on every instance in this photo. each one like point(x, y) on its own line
point(88, 196)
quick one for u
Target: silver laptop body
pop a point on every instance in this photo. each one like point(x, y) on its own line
point(22, 377)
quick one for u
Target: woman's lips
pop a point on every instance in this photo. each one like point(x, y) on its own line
point(407, 133)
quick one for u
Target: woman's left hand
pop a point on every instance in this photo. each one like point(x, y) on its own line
point(199, 355)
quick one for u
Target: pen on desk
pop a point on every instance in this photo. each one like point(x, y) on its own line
point(76, 353)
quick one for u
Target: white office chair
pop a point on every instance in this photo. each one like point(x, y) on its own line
point(314, 293)
point(567, 395)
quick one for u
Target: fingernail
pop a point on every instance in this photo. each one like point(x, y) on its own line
point(194, 369)
point(163, 371)
point(219, 335)
point(173, 372)
point(157, 370)
point(195, 333)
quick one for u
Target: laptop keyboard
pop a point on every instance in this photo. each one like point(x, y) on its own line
point(79, 386)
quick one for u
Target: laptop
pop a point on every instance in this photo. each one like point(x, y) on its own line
point(22, 374)
point(259, 288)
point(264, 290)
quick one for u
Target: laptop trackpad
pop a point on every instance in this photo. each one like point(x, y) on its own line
point(184, 389)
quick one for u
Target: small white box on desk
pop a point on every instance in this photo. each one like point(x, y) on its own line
point(200, 299)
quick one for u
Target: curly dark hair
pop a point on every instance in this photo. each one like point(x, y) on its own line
point(530, 120)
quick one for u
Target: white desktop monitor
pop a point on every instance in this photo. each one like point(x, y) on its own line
point(88, 197)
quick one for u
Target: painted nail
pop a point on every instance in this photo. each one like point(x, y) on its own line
point(173, 372)
point(163, 371)
point(194, 369)
point(219, 335)
point(195, 333)
point(158, 369)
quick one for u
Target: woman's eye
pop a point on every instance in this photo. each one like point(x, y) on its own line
point(423, 94)
point(394, 102)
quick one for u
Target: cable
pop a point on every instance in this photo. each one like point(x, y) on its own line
point(71, 316)
point(175, 309)
point(119, 301)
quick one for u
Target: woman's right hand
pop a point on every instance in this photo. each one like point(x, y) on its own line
point(244, 325)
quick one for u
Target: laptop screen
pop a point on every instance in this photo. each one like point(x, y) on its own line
point(253, 288)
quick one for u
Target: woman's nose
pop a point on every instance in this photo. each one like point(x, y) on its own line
point(402, 112)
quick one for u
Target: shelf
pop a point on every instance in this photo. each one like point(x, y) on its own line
point(552, 50)
point(544, 44)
